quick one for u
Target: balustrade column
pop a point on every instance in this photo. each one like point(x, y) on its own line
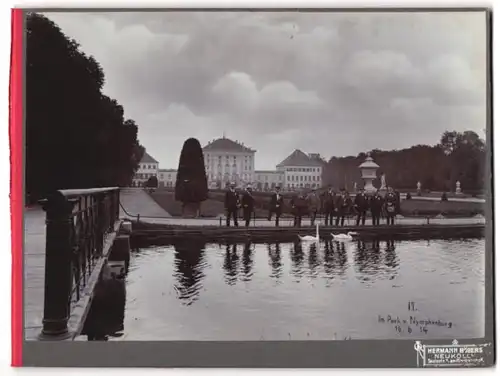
point(58, 272)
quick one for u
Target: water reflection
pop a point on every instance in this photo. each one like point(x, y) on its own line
point(272, 307)
point(371, 264)
point(335, 260)
point(297, 258)
point(189, 265)
point(230, 265)
point(313, 260)
point(274, 253)
point(247, 262)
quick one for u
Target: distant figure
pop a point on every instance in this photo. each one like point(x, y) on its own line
point(329, 198)
point(376, 205)
point(276, 205)
point(299, 208)
point(444, 197)
point(408, 196)
point(343, 206)
point(232, 204)
point(314, 203)
point(247, 201)
point(391, 205)
point(383, 184)
point(361, 204)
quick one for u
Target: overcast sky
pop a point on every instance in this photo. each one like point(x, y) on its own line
point(332, 83)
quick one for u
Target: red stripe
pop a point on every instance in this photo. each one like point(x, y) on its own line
point(16, 182)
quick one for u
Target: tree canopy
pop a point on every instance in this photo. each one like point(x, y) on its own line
point(76, 137)
point(457, 157)
point(191, 185)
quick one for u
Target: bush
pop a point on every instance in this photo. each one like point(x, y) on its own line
point(191, 186)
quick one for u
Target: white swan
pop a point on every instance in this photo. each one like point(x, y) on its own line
point(309, 238)
point(347, 236)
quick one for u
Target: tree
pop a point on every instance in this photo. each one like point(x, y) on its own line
point(465, 159)
point(76, 137)
point(191, 186)
point(152, 182)
point(458, 156)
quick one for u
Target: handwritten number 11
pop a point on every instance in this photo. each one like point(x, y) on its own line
point(411, 306)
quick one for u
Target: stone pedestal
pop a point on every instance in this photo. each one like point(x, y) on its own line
point(369, 173)
point(458, 189)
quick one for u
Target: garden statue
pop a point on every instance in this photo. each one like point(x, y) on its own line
point(383, 184)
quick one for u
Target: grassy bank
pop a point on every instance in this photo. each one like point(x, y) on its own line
point(210, 208)
point(214, 206)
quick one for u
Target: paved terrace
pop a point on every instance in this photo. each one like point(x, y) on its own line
point(134, 202)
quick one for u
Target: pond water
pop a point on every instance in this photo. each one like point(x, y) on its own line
point(350, 290)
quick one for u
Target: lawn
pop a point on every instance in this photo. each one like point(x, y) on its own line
point(213, 207)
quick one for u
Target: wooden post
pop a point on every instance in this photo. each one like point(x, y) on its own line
point(58, 273)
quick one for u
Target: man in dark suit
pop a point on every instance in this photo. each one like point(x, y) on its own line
point(299, 208)
point(391, 205)
point(361, 204)
point(276, 205)
point(376, 205)
point(343, 207)
point(329, 198)
point(232, 204)
point(247, 202)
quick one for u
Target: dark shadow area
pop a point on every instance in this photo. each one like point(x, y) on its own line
point(107, 311)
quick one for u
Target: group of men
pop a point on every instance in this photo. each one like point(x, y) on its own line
point(331, 204)
point(340, 206)
point(233, 202)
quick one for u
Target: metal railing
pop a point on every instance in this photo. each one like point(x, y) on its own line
point(77, 222)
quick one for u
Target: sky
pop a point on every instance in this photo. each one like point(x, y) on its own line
point(331, 83)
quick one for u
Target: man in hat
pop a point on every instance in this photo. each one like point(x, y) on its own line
point(361, 204)
point(314, 203)
point(391, 205)
point(376, 205)
point(343, 206)
point(232, 204)
point(247, 202)
point(276, 205)
point(329, 198)
point(299, 208)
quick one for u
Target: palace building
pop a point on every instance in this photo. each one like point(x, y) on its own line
point(231, 161)
point(301, 170)
point(228, 161)
point(148, 167)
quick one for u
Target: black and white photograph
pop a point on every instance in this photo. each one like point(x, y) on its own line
point(259, 175)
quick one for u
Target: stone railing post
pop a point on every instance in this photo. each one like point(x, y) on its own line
point(58, 272)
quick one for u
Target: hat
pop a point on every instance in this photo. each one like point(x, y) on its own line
point(249, 186)
point(232, 184)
